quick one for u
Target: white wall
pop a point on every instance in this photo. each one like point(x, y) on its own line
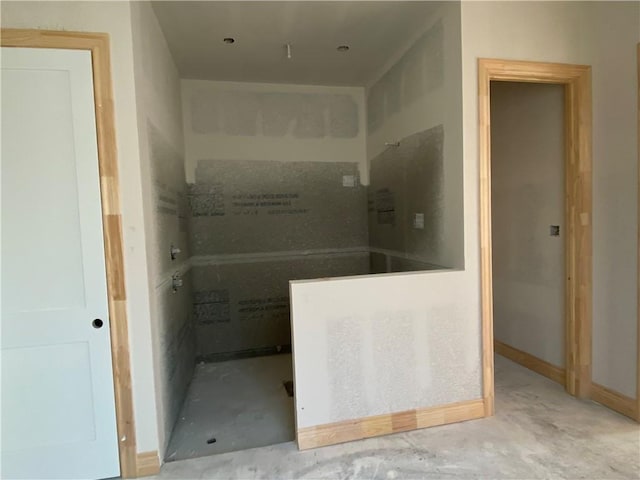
point(427, 98)
point(114, 18)
point(527, 196)
point(388, 343)
point(161, 144)
point(603, 35)
point(229, 121)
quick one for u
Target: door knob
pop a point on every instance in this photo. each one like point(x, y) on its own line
point(97, 323)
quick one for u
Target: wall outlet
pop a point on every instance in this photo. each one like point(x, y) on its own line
point(348, 180)
point(418, 221)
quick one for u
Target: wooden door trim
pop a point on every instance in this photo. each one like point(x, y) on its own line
point(98, 44)
point(578, 213)
point(637, 406)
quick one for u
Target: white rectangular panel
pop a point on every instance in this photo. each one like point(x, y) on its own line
point(41, 262)
point(27, 415)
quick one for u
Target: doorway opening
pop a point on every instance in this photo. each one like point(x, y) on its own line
point(522, 192)
point(527, 225)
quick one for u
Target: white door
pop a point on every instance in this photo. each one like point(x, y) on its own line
point(58, 411)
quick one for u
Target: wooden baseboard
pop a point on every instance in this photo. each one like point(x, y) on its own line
point(615, 401)
point(546, 369)
point(147, 463)
point(346, 431)
point(607, 397)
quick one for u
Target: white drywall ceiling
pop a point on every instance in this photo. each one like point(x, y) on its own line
point(375, 31)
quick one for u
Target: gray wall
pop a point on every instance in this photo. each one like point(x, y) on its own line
point(527, 187)
point(275, 195)
point(254, 226)
point(161, 145)
point(406, 203)
point(174, 312)
point(262, 206)
point(416, 102)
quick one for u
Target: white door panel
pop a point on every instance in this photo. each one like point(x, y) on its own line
point(58, 413)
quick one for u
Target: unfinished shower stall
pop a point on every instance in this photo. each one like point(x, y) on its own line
point(265, 177)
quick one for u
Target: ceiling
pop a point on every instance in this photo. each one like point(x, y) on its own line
point(374, 31)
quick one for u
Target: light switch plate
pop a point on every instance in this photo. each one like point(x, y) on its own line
point(554, 230)
point(418, 221)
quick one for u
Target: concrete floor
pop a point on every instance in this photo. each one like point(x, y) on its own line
point(538, 432)
point(241, 403)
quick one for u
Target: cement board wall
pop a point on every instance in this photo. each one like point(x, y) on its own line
point(406, 199)
point(254, 226)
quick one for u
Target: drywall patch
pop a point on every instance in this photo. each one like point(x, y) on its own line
point(347, 388)
point(413, 73)
point(433, 50)
point(205, 113)
point(392, 86)
point(343, 116)
point(278, 114)
point(418, 72)
point(423, 65)
point(240, 113)
point(310, 117)
point(375, 107)
point(394, 331)
point(274, 114)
